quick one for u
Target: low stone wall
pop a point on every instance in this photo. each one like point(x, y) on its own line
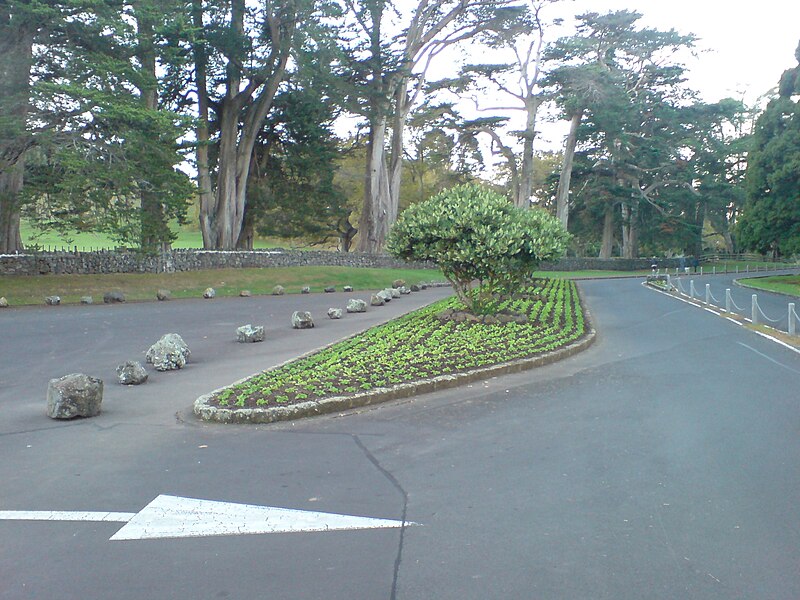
point(89, 263)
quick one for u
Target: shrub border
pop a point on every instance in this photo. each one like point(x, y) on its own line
point(206, 412)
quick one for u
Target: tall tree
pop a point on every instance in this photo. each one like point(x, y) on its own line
point(520, 31)
point(391, 71)
point(242, 54)
point(770, 220)
point(20, 23)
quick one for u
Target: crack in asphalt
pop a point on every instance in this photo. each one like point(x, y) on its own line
point(393, 480)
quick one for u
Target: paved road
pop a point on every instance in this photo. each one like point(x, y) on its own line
point(660, 463)
point(774, 306)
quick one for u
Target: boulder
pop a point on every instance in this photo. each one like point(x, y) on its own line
point(394, 292)
point(3, 302)
point(354, 305)
point(330, 289)
point(398, 283)
point(377, 300)
point(423, 285)
point(386, 295)
point(278, 290)
point(305, 290)
point(168, 353)
point(335, 313)
point(75, 395)
point(347, 288)
point(415, 288)
point(113, 297)
point(249, 333)
point(245, 294)
point(163, 295)
point(87, 300)
point(404, 291)
point(52, 300)
point(131, 373)
point(209, 293)
point(302, 320)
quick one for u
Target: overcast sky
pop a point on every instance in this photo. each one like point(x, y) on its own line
point(747, 44)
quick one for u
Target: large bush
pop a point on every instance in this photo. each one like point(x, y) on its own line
point(486, 247)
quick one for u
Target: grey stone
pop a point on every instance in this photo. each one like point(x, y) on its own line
point(377, 300)
point(302, 320)
point(87, 300)
point(245, 294)
point(394, 292)
point(3, 302)
point(347, 288)
point(305, 290)
point(335, 313)
point(415, 288)
point(330, 289)
point(52, 300)
point(74, 395)
point(404, 290)
point(131, 373)
point(354, 305)
point(423, 285)
point(113, 297)
point(209, 293)
point(168, 353)
point(163, 295)
point(386, 295)
point(250, 333)
point(278, 290)
point(398, 283)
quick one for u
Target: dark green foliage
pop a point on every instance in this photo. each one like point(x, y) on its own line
point(476, 236)
point(770, 221)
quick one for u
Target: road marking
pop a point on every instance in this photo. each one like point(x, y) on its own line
point(770, 359)
point(177, 517)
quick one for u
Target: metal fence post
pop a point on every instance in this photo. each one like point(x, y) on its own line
point(754, 310)
point(792, 324)
point(728, 300)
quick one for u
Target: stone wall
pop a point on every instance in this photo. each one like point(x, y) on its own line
point(86, 263)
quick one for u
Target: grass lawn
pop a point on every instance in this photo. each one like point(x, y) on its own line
point(29, 290)
point(784, 284)
point(417, 346)
point(87, 241)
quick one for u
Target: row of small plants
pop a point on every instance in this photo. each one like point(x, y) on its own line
point(419, 346)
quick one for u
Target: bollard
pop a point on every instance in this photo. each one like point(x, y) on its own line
point(792, 324)
point(701, 271)
point(747, 268)
point(754, 310)
point(691, 288)
point(737, 269)
point(728, 300)
point(715, 271)
point(708, 294)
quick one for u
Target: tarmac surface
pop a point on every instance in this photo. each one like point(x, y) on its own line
point(660, 463)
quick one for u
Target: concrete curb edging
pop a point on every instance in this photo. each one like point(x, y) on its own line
point(204, 411)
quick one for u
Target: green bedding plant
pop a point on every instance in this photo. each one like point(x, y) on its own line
point(419, 345)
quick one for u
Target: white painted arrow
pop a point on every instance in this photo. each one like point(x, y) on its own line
point(176, 517)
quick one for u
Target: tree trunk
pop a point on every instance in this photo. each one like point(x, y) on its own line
point(204, 193)
point(155, 230)
point(402, 107)
point(607, 245)
point(562, 195)
point(630, 238)
point(525, 193)
point(16, 46)
point(373, 224)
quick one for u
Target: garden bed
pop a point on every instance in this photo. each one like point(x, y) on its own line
point(416, 347)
